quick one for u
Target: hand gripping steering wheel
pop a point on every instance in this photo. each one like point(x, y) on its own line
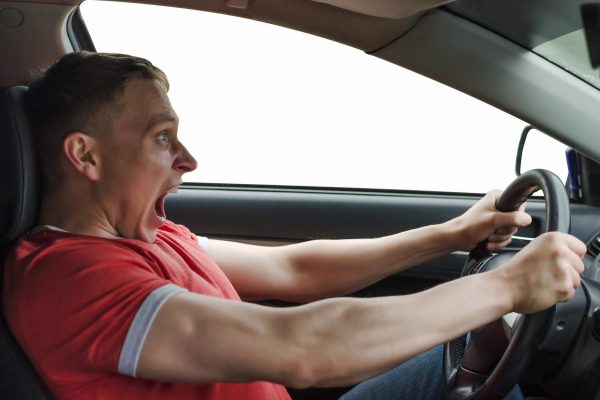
point(488, 362)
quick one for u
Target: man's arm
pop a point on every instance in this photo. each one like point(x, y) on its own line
point(326, 268)
point(343, 341)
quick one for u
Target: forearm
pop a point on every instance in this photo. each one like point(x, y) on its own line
point(349, 340)
point(327, 268)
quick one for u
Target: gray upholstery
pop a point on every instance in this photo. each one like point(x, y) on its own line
point(19, 203)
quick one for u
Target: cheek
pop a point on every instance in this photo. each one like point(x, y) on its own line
point(150, 173)
point(121, 162)
point(160, 162)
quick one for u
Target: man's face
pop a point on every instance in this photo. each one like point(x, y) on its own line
point(141, 160)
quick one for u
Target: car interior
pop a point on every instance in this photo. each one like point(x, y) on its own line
point(507, 53)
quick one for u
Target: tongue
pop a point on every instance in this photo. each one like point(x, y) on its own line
point(159, 207)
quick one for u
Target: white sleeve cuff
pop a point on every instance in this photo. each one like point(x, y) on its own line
point(134, 341)
point(204, 243)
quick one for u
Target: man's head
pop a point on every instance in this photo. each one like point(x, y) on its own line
point(107, 139)
point(80, 93)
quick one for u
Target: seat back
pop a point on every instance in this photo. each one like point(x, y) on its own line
point(19, 206)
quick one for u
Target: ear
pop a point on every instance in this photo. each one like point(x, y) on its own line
point(81, 151)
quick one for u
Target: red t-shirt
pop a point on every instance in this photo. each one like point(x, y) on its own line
point(80, 307)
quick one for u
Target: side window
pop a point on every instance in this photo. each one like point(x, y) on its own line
point(261, 104)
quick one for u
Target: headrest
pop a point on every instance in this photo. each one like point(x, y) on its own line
point(19, 180)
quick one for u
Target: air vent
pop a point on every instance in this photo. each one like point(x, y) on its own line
point(593, 247)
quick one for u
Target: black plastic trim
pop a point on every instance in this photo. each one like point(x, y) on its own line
point(78, 33)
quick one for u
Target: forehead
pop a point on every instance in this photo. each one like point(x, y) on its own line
point(144, 102)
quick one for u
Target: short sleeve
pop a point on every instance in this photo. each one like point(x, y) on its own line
point(75, 305)
point(138, 330)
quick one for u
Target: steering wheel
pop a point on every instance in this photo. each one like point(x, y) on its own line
point(488, 362)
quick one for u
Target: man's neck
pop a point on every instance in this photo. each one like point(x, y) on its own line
point(75, 214)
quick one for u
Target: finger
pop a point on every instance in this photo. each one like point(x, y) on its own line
point(566, 270)
point(498, 245)
point(576, 245)
point(576, 263)
point(575, 278)
point(512, 219)
point(566, 294)
point(506, 231)
point(522, 218)
point(494, 194)
point(494, 238)
point(523, 207)
point(492, 197)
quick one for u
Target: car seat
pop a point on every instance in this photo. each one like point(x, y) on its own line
point(19, 205)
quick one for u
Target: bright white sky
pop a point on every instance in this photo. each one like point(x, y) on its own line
point(266, 105)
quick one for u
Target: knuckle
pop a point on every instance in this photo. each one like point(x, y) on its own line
point(562, 295)
point(554, 236)
point(562, 269)
point(559, 254)
point(566, 291)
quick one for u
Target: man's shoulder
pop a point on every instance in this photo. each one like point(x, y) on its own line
point(171, 229)
point(44, 249)
point(58, 262)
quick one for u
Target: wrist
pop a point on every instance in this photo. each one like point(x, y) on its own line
point(507, 287)
point(455, 233)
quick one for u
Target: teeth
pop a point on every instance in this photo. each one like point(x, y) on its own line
point(162, 219)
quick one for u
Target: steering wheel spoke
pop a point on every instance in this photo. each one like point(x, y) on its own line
point(485, 346)
point(510, 323)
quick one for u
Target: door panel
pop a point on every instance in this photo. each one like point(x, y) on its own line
point(281, 216)
point(277, 216)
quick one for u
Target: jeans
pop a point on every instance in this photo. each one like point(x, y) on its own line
point(420, 378)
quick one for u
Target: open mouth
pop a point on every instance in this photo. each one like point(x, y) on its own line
point(159, 207)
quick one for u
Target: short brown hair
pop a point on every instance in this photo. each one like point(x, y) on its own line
point(78, 93)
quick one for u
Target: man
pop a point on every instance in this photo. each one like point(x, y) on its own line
point(147, 310)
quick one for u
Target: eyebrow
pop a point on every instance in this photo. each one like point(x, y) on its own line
point(158, 119)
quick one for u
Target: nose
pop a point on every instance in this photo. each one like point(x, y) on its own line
point(184, 161)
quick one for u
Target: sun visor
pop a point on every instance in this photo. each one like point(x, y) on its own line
point(393, 9)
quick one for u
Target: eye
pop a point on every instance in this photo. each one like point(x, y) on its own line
point(164, 138)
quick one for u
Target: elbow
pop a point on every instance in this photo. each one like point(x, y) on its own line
point(299, 370)
point(314, 373)
point(314, 360)
point(302, 378)
point(311, 373)
point(299, 366)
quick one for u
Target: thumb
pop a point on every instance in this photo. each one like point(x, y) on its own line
point(522, 218)
point(513, 218)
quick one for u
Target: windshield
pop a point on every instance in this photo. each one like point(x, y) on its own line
point(550, 28)
point(570, 52)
